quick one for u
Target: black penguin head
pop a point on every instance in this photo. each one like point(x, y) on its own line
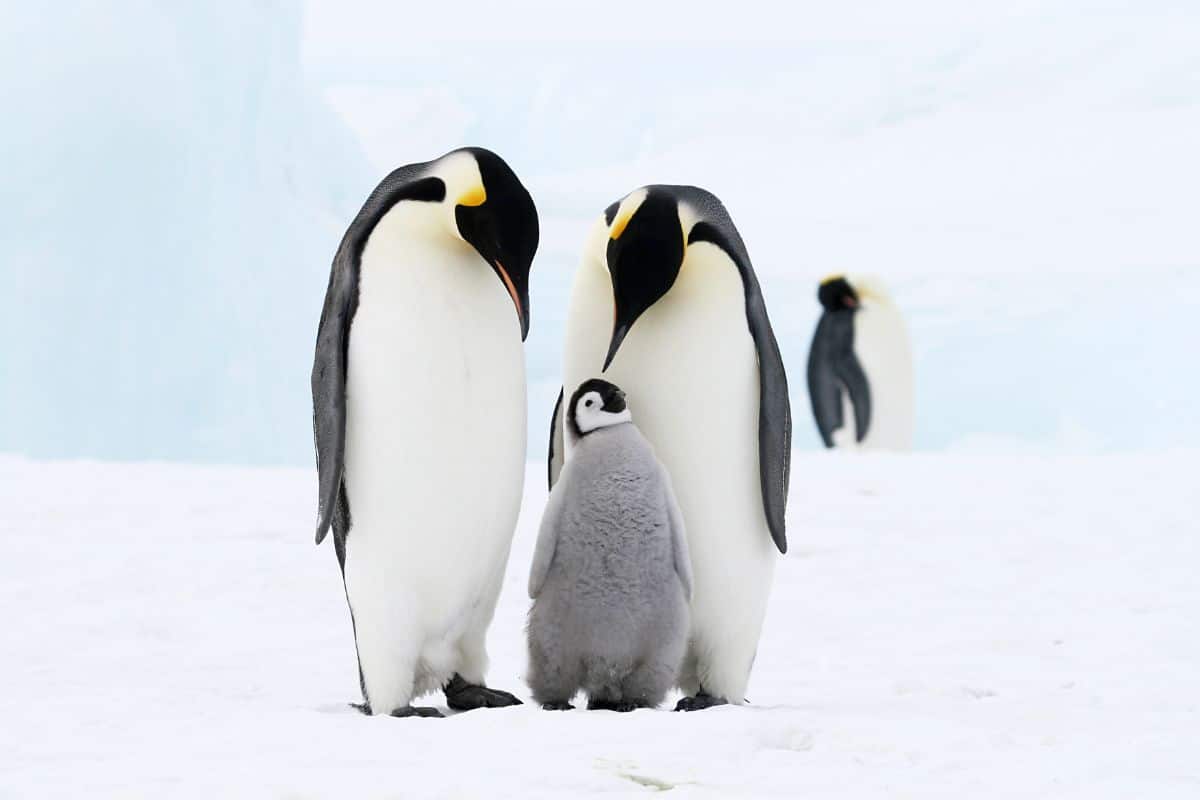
point(596, 404)
point(644, 253)
point(494, 214)
point(836, 294)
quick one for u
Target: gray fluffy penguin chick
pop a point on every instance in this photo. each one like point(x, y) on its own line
point(611, 579)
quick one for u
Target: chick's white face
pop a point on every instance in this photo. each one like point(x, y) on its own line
point(591, 414)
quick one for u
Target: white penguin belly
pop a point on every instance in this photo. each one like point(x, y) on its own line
point(435, 451)
point(881, 345)
point(690, 370)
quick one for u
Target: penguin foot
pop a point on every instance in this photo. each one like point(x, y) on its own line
point(417, 711)
point(463, 696)
point(700, 701)
point(557, 705)
point(614, 705)
point(406, 711)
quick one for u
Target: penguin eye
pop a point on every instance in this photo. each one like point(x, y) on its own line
point(588, 403)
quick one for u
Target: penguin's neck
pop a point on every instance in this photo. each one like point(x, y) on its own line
point(420, 220)
point(598, 432)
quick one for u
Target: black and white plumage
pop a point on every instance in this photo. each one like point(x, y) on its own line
point(860, 381)
point(667, 305)
point(611, 576)
point(835, 375)
point(424, 317)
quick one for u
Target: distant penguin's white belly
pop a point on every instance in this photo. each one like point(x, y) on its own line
point(435, 451)
point(881, 344)
point(690, 370)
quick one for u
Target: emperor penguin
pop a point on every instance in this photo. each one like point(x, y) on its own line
point(860, 368)
point(611, 576)
point(419, 418)
point(667, 305)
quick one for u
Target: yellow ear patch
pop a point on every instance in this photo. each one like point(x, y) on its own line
point(473, 197)
point(622, 219)
point(831, 278)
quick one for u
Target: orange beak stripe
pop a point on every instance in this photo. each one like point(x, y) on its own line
point(512, 291)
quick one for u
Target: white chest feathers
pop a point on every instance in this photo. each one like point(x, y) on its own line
point(435, 447)
point(882, 347)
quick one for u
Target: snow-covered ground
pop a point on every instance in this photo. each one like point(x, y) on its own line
point(946, 625)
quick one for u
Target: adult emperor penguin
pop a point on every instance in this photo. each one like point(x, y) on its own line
point(860, 368)
point(419, 414)
point(667, 304)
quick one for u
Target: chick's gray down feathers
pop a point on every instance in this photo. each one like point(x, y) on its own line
point(611, 577)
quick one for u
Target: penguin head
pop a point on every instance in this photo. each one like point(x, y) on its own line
point(596, 404)
point(836, 294)
point(489, 209)
point(650, 233)
point(644, 252)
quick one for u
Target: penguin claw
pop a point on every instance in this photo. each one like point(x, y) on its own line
point(700, 701)
point(622, 706)
point(417, 711)
point(406, 711)
point(558, 705)
point(463, 696)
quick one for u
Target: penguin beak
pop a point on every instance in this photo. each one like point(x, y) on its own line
point(618, 336)
point(615, 403)
point(644, 255)
point(520, 299)
point(479, 227)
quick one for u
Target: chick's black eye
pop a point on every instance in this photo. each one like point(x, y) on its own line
point(588, 403)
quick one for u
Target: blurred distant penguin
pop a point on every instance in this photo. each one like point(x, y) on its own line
point(666, 302)
point(419, 413)
point(611, 576)
point(860, 375)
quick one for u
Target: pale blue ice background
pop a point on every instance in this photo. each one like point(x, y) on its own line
point(176, 179)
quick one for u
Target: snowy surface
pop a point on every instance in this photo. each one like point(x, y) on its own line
point(946, 625)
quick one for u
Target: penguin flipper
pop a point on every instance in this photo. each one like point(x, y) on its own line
point(833, 368)
point(333, 332)
point(555, 452)
point(679, 545)
point(849, 371)
point(774, 418)
point(774, 407)
point(547, 542)
point(329, 384)
point(826, 396)
point(824, 390)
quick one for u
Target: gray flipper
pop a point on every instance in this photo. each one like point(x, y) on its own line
point(329, 386)
point(774, 415)
point(547, 542)
point(333, 334)
point(774, 410)
point(833, 368)
point(556, 452)
point(679, 546)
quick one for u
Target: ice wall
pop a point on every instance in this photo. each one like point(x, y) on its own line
point(173, 194)
point(175, 185)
